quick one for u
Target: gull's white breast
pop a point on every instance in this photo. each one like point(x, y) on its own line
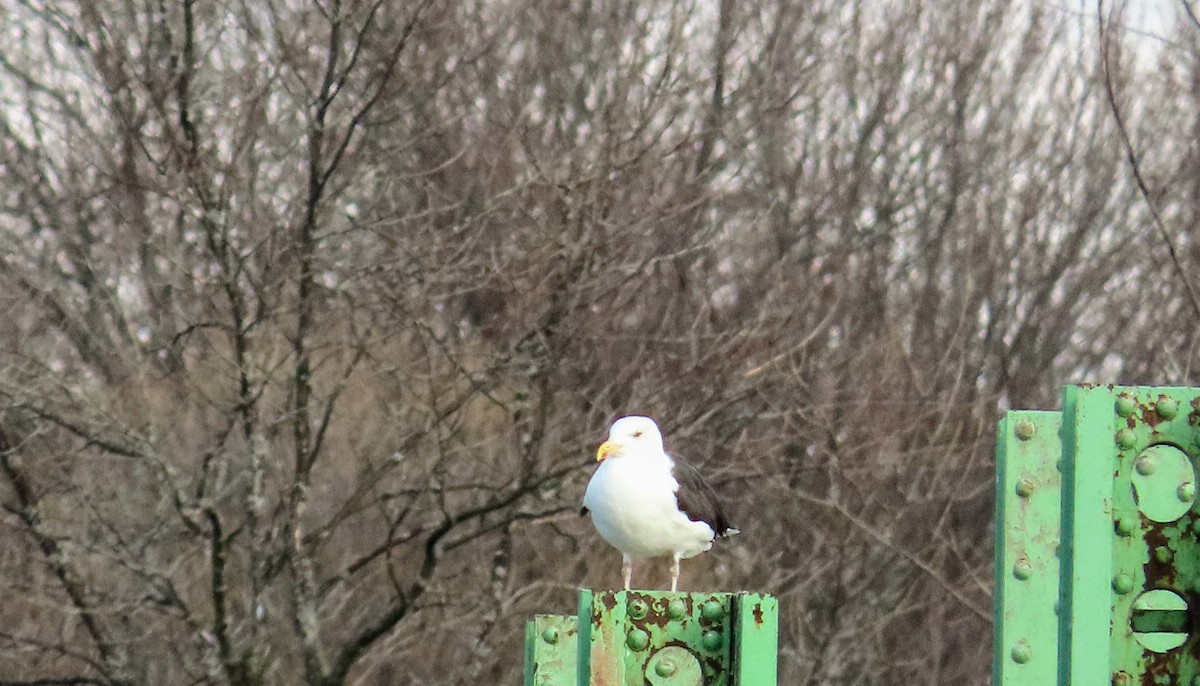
point(632, 503)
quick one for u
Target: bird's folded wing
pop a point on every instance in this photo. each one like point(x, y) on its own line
point(698, 501)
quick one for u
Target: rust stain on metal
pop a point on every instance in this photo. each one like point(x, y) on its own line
point(656, 615)
point(605, 650)
point(609, 600)
point(758, 615)
point(1194, 416)
point(1161, 668)
point(1158, 574)
point(1150, 413)
point(713, 665)
point(1192, 644)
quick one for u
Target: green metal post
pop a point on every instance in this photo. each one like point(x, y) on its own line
point(551, 642)
point(755, 639)
point(635, 638)
point(1028, 484)
point(1128, 566)
point(1152, 526)
point(1087, 535)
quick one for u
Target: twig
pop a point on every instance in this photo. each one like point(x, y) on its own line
point(1187, 7)
point(1132, 156)
point(872, 532)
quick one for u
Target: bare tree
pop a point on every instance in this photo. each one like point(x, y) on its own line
point(318, 308)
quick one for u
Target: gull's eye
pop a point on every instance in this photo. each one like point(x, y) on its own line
point(637, 434)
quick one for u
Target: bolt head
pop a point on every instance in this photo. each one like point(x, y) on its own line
point(1122, 584)
point(1025, 487)
point(1021, 652)
point(676, 609)
point(637, 608)
point(1122, 679)
point(1125, 405)
point(637, 639)
point(1145, 465)
point(711, 640)
point(550, 635)
point(1167, 408)
point(1126, 525)
point(1163, 554)
point(1186, 492)
point(1024, 430)
point(664, 668)
point(712, 611)
point(1022, 569)
point(1126, 438)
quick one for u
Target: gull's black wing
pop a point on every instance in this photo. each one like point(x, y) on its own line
point(699, 501)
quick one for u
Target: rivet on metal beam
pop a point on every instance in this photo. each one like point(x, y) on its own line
point(1021, 652)
point(712, 611)
point(1024, 430)
point(1125, 405)
point(1186, 492)
point(1122, 583)
point(1145, 465)
point(1126, 525)
point(1122, 679)
point(665, 668)
point(1126, 438)
point(711, 640)
point(550, 635)
point(1167, 408)
point(637, 639)
point(676, 609)
point(1025, 487)
point(1022, 569)
point(1163, 554)
point(637, 608)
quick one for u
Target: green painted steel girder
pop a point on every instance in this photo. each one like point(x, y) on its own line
point(634, 638)
point(551, 645)
point(1098, 540)
point(1028, 501)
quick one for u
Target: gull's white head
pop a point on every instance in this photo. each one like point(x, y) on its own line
point(631, 435)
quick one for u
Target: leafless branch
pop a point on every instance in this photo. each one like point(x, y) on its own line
point(1132, 158)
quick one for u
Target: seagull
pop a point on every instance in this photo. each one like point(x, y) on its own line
point(647, 503)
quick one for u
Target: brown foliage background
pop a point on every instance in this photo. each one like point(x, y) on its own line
point(316, 310)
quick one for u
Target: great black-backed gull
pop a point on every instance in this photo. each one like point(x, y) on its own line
point(647, 503)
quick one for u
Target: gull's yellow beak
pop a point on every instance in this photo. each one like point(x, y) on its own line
point(606, 448)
